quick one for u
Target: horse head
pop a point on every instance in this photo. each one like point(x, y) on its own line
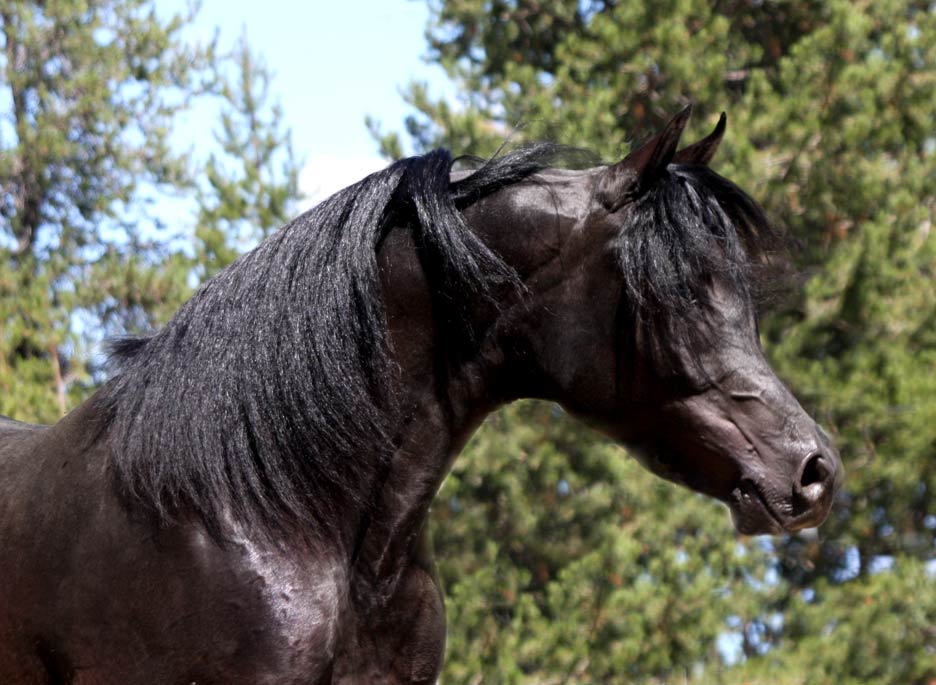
point(648, 331)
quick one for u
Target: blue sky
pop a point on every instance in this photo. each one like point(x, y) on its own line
point(334, 63)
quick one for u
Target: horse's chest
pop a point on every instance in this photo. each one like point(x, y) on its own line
point(402, 643)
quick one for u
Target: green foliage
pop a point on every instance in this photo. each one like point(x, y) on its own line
point(877, 629)
point(90, 90)
point(253, 182)
point(91, 94)
point(831, 108)
point(553, 546)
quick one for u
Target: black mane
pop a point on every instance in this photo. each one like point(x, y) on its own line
point(266, 398)
point(690, 228)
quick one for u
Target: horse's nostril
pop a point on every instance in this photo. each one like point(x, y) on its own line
point(815, 481)
point(814, 471)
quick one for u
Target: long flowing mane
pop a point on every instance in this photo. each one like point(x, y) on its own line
point(268, 399)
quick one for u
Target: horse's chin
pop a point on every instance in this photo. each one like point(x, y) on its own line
point(751, 516)
point(754, 514)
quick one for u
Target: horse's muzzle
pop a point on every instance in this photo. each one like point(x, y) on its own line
point(759, 509)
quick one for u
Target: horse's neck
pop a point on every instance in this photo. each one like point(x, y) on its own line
point(439, 412)
point(433, 434)
point(443, 406)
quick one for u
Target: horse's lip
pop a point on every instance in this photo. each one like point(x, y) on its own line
point(753, 515)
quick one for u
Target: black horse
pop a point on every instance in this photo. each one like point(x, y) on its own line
point(245, 500)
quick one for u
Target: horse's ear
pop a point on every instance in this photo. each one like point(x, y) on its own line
point(631, 177)
point(701, 153)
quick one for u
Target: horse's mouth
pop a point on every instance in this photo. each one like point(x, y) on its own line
point(752, 513)
point(755, 514)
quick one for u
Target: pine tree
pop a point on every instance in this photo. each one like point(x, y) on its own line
point(87, 160)
point(252, 182)
point(90, 93)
